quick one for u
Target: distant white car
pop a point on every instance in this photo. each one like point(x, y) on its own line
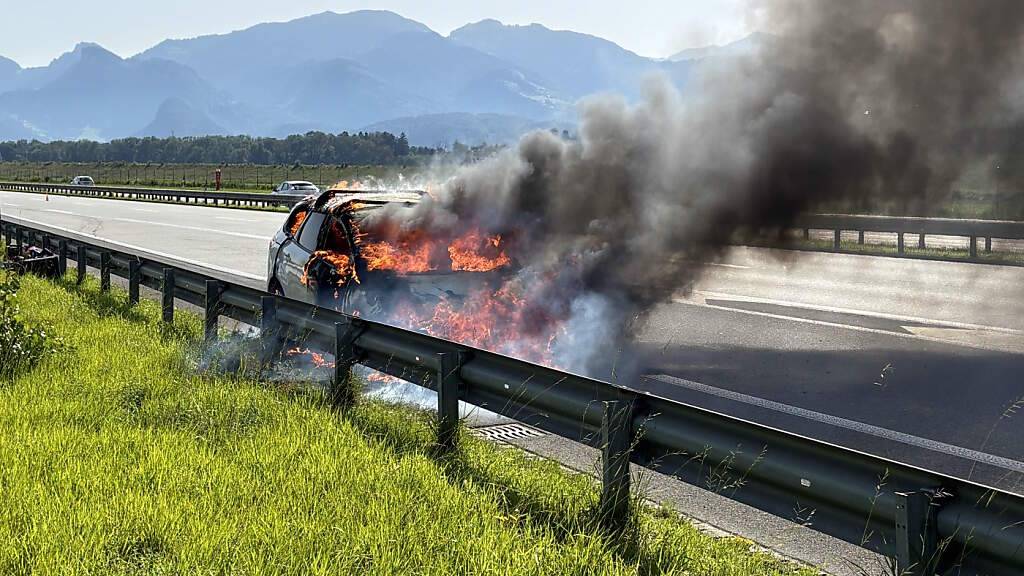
point(83, 181)
point(296, 188)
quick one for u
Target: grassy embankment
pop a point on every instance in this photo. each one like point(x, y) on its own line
point(116, 456)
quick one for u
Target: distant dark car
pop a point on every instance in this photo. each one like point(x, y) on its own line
point(296, 188)
point(82, 181)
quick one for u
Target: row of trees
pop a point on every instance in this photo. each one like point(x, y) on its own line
point(364, 148)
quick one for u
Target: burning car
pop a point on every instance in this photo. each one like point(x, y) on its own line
point(343, 250)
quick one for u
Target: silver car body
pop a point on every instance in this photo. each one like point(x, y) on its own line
point(82, 181)
point(296, 188)
point(289, 253)
point(293, 247)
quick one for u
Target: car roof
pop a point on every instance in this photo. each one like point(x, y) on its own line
point(297, 182)
point(334, 198)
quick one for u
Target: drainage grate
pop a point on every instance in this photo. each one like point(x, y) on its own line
point(508, 432)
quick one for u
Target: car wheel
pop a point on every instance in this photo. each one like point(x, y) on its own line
point(275, 288)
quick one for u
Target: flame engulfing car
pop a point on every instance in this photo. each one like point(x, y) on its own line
point(338, 250)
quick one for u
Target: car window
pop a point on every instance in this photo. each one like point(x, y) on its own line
point(336, 239)
point(311, 231)
point(295, 220)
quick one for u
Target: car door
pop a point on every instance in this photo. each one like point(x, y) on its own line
point(295, 253)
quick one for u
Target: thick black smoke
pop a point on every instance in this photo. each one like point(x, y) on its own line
point(867, 101)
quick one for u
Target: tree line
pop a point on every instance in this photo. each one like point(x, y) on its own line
point(362, 148)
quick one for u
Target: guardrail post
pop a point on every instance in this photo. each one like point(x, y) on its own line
point(973, 247)
point(19, 238)
point(62, 257)
point(134, 277)
point(836, 239)
point(168, 295)
point(616, 445)
point(343, 391)
point(80, 264)
point(448, 400)
point(988, 243)
point(211, 309)
point(917, 539)
point(860, 236)
point(899, 242)
point(920, 241)
point(270, 341)
point(807, 233)
point(104, 271)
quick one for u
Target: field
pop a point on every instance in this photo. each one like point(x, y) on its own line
point(118, 456)
point(245, 177)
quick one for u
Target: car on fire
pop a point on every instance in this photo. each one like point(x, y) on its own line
point(330, 253)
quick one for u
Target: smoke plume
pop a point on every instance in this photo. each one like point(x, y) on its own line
point(875, 100)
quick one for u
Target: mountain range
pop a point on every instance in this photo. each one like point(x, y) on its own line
point(364, 70)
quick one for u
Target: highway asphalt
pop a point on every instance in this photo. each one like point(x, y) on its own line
point(919, 361)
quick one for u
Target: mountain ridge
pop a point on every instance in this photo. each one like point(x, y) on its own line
point(327, 71)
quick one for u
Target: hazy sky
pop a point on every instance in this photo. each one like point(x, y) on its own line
point(33, 32)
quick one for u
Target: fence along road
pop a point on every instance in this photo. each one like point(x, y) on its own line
point(929, 522)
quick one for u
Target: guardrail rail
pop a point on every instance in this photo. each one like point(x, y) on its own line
point(973, 230)
point(904, 225)
point(928, 522)
point(169, 195)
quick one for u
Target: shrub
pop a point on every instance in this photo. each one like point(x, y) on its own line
point(22, 346)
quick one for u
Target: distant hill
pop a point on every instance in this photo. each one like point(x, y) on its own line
point(176, 117)
point(9, 70)
point(569, 62)
point(387, 66)
point(97, 95)
point(249, 63)
point(443, 130)
point(744, 46)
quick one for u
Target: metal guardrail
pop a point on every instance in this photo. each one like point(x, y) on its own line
point(921, 227)
point(929, 522)
point(170, 196)
point(837, 223)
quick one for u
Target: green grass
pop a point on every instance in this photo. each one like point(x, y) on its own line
point(117, 457)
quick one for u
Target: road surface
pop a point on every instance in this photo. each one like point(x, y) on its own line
point(919, 361)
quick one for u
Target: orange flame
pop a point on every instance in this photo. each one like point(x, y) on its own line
point(299, 219)
point(341, 262)
point(404, 257)
point(470, 253)
point(317, 359)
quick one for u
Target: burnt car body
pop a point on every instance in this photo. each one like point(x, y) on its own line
point(316, 258)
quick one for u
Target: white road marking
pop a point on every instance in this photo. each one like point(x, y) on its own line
point(196, 228)
point(60, 212)
point(723, 265)
point(1013, 346)
point(909, 439)
point(11, 204)
point(144, 210)
point(855, 312)
point(246, 220)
